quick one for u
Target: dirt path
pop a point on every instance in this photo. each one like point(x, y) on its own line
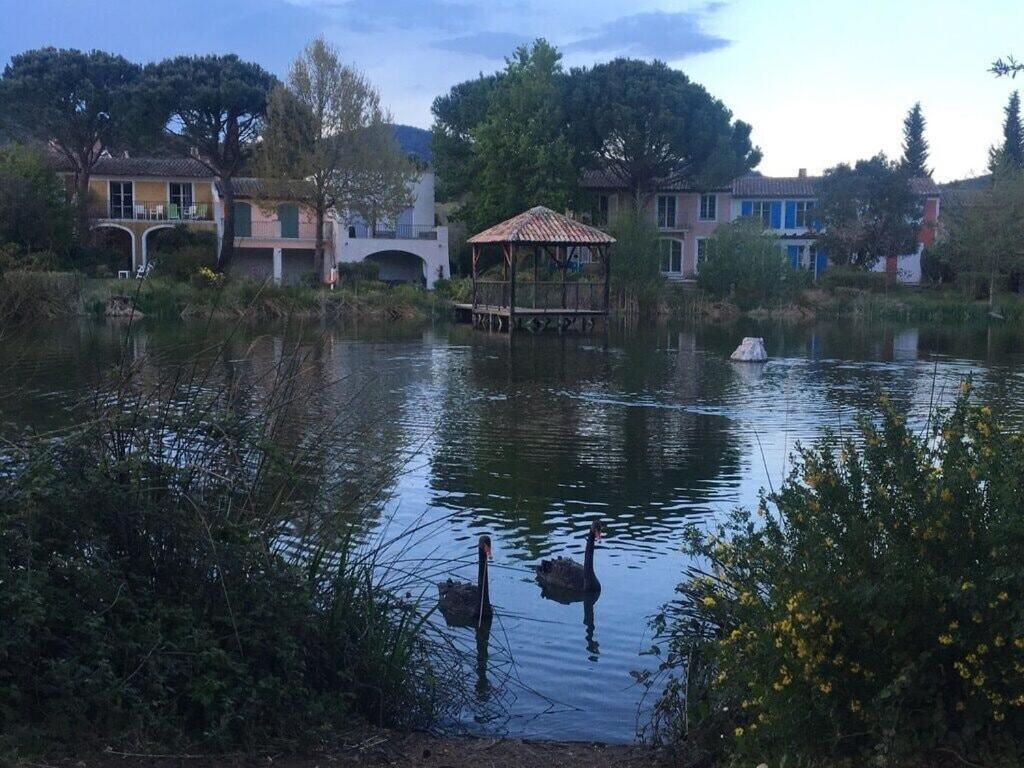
point(387, 748)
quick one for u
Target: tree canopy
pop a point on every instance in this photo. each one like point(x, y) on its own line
point(869, 211)
point(915, 146)
point(651, 125)
point(327, 126)
point(82, 104)
point(34, 214)
point(217, 106)
point(523, 156)
point(645, 122)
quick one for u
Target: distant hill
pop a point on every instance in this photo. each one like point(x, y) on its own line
point(414, 141)
point(976, 182)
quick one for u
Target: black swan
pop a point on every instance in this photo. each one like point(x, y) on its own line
point(565, 576)
point(463, 604)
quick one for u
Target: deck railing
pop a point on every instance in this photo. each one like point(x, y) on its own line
point(398, 232)
point(155, 210)
point(274, 230)
point(587, 295)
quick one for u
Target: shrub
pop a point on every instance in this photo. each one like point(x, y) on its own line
point(858, 278)
point(746, 264)
point(34, 212)
point(636, 279)
point(27, 297)
point(165, 581)
point(354, 273)
point(871, 611)
point(182, 253)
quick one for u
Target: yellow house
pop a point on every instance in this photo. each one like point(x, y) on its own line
point(140, 195)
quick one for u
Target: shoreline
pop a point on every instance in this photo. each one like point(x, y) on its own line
point(379, 747)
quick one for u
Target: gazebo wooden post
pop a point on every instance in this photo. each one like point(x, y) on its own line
point(564, 265)
point(475, 257)
point(606, 254)
point(536, 257)
point(504, 273)
point(512, 288)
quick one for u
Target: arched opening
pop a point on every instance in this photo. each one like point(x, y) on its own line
point(113, 249)
point(399, 267)
point(151, 238)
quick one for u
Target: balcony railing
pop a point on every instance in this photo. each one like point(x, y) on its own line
point(399, 232)
point(276, 230)
point(140, 210)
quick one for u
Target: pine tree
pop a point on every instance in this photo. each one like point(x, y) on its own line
point(1013, 134)
point(915, 148)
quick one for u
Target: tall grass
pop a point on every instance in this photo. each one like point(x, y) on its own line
point(27, 297)
point(189, 564)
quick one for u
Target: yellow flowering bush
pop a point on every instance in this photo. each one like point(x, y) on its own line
point(870, 612)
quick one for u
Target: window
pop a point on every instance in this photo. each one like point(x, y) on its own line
point(804, 216)
point(666, 211)
point(180, 194)
point(708, 207)
point(702, 251)
point(601, 214)
point(672, 256)
point(121, 200)
point(762, 209)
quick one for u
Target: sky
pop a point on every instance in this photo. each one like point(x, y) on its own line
point(821, 81)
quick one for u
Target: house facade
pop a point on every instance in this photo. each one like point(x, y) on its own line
point(275, 226)
point(686, 217)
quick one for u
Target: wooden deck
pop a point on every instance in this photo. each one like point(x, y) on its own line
point(500, 318)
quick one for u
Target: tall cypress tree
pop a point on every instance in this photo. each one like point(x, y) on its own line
point(1013, 134)
point(915, 148)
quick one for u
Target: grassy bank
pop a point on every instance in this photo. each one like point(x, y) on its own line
point(168, 298)
point(27, 297)
point(898, 304)
point(186, 568)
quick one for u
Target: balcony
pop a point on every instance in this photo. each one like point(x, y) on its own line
point(140, 210)
point(278, 230)
point(399, 232)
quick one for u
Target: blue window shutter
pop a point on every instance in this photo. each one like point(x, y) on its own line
point(776, 214)
point(790, 214)
point(822, 261)
point(746, 208)
point(794, 255)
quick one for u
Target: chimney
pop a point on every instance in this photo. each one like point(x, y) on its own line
point(802, 173)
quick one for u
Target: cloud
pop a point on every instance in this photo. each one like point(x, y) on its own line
point(388, 15)
point(489, 45)
point(654, 34)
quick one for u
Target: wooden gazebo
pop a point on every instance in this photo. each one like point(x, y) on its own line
point(568, 283)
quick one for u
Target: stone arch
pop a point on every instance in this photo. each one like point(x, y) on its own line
point(131, 236)
point(398, 266)
point(144, 240)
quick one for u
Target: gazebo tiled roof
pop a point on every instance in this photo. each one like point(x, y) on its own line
point(542, 226)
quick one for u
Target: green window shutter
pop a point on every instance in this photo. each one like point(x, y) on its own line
point(243, 220)
point(288, 215)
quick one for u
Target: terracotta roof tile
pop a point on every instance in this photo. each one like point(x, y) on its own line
point(157, 167)
point(542, 225)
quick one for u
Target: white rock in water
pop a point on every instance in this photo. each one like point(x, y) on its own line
point(750, 351)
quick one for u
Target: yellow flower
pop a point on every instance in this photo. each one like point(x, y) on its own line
point(946, 495)
point(999, 642)
point(708, 602)
point(945, 639)
point(998, 717)
point(826, 688)
point(960, 706)
point(1003, 597)
point(855, 706)
point(738, 732)
point(979, 680)
point(954, 625)
point(966, 586)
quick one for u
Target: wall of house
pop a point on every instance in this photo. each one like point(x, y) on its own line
point(150, 190)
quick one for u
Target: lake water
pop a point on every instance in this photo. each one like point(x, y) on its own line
point(649, 430)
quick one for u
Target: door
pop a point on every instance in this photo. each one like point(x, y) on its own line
point(243, 220)
point(288, 215)
point(121, 200)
